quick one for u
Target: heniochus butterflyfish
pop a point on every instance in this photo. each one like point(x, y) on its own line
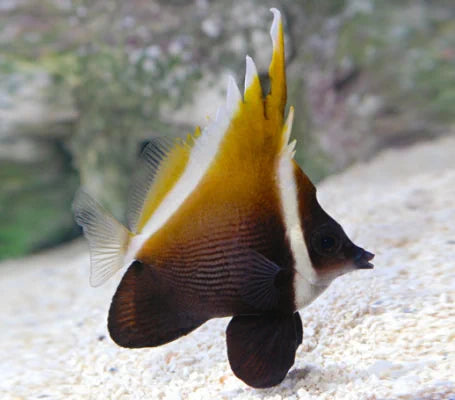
point(223, 223)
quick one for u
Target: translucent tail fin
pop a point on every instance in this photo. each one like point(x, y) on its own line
point(107, 238)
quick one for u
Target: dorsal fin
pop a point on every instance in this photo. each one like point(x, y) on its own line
point(244, 127)
point(145, 172)
point(276, 99)
point(259, 121)
point(164, 161)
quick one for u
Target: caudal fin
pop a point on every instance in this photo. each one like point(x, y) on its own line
point(107, 238)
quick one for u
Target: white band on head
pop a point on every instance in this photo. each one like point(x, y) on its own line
point(305, 275)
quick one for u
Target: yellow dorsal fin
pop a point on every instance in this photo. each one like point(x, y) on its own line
point(164, 173)
point(259, 122)
point(247, 131)
point(276, 99)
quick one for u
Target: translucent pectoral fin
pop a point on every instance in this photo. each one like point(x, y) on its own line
point(261, 349)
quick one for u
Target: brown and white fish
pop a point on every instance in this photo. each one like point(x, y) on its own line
point(222, 224)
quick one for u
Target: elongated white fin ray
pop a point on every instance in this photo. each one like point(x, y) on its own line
point(221, 113)
point(107, 238)
point(233, 96)
point(274, 29)
point(251, 72)
point(288, 127)
point(147, 168)
point(276, 98)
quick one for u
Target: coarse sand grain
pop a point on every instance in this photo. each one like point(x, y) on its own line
point(388, 333)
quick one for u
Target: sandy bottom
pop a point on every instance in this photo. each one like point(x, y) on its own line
point(382, 334)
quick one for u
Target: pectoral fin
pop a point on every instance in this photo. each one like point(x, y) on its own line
point(261, 349)
point(146, 310)
point(259, 288)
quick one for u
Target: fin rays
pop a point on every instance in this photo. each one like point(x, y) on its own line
point(107, 238)
point(242, 126)
point(233, 96)
point(151, 157)
point(276, 99)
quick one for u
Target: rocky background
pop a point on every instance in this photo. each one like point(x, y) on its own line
point(84, 84)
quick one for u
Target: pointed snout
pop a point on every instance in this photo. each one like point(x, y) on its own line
point(362, 259)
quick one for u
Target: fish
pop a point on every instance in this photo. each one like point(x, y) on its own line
point(223, 223)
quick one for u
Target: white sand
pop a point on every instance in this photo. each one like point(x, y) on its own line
point(382, 334)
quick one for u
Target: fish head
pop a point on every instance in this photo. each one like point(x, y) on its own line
point(331, 251)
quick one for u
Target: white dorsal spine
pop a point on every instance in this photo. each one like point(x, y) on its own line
point(288, 128)
point(233, 96)
point(251, 72)
point(275, 25)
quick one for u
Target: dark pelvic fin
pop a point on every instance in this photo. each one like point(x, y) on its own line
point(145, 311)
point(259, 287)
point(261, 349)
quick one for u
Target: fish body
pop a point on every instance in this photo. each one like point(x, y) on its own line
point(224, 223)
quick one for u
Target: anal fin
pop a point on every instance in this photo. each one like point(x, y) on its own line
point(146, 310)
point(261, 349)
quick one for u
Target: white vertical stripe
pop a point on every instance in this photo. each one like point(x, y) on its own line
point(305, 277)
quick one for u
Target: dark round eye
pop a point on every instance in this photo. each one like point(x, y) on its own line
point(326, 242)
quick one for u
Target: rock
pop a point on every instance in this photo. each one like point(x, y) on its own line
point(37, 179)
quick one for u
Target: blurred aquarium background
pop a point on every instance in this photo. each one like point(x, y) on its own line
point(84, 84)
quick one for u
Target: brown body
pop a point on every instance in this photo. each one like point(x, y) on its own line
point(205, 255)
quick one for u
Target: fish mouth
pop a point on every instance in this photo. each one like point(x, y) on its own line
point(363, 258)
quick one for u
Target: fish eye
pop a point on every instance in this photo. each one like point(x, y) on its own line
point(326, 242)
